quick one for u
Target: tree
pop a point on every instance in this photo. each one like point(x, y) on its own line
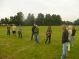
point(2, 21)
point(11, 20)
point(76, 22)
point(30, 19)
point(40, 19)
point(15, 20)
point(48, 19)
point(56, 20)
point(67, 22)
point(6, 20)
point(19, 18)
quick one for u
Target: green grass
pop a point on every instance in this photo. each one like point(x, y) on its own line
point(12, 47)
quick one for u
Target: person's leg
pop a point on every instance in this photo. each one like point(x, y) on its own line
point(21, 34)
point(32, 36)
point(18, 34)
point(68, 46)
point(37, 38)
point(72, 41)
point(64, 52)
point(49, 39)
point(46, 39)
point(9, 32)
point(13, 32)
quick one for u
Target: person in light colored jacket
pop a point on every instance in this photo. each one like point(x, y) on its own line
point(14, 29)
point(69, 37)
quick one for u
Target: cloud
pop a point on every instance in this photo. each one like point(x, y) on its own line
point(68, 9)
point(1, 3)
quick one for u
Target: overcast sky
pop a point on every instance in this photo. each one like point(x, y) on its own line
point(68, 9)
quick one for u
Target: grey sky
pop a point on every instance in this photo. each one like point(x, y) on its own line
point(68, 9)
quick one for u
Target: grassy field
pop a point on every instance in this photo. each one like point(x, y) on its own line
point(12, 47)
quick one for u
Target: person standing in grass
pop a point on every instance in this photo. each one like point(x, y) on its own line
point(14, 29)
point(36, 34)
point(73, 35)
point(64, 42)
point(69, 37)
point(20, 31)
point(8, 29)
point(48, 34)
point(33, 28)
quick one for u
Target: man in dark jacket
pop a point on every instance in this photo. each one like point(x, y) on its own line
point(33, 28)
point(64, 42)
point(36, 34)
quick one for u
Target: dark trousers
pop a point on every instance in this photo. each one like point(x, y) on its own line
point(8, 32)
point(19, 34)
point(32, 36)
point(14, 32)
point(48, 38)
point(36, 37)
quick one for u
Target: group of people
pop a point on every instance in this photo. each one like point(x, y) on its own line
point(14, 30)
point(68, 37)
point(35, 33)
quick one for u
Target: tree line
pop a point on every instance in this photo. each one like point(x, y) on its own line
point(41, 19)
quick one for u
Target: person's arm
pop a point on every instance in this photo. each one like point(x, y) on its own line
point(32, 29)
point(47, 32)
